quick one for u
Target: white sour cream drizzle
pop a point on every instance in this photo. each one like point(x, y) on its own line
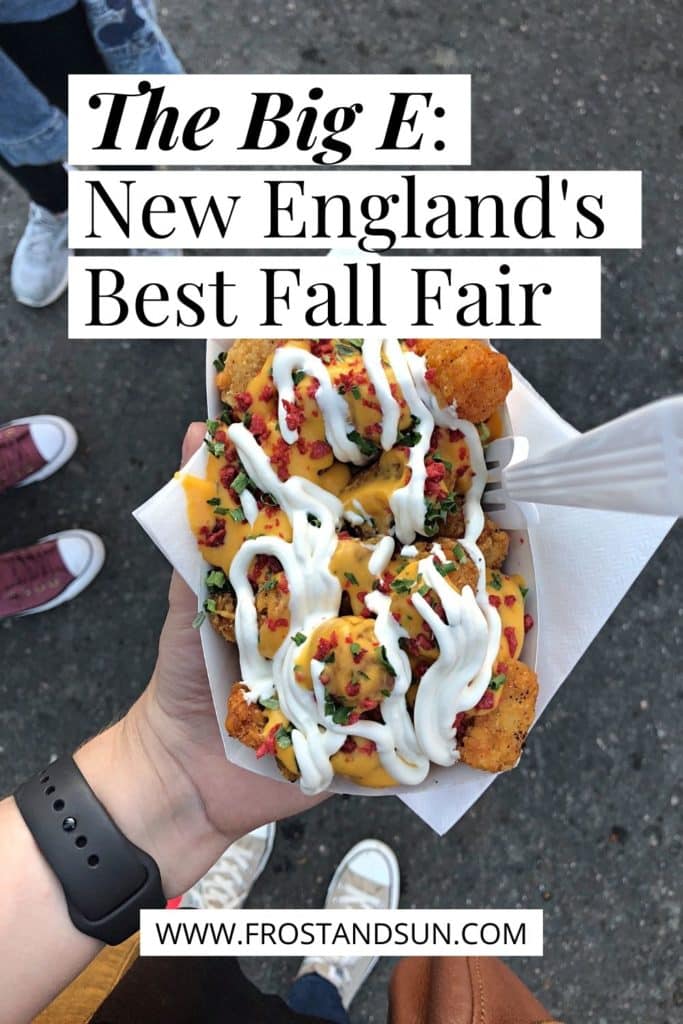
point(469, 639)
point(335, 411)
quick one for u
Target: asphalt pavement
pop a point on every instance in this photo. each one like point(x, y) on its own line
point(589, 826)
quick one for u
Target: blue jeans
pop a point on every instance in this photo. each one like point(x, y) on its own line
point(129, 40)
point(318, 997)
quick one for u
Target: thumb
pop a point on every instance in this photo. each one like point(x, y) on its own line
point(193, 439)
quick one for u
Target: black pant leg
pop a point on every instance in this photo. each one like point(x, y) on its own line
point(47, 51)
point(192, 990)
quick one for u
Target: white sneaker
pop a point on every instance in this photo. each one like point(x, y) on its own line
point(228, 883)
point(40, 263)
point(368, 878)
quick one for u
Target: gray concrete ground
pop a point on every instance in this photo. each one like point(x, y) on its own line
point(589, 826)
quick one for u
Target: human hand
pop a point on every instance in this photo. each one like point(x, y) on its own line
point(174, 793)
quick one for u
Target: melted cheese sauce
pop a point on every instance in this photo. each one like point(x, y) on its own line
point(314, 417)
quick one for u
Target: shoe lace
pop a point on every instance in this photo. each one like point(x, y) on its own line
point(40, 231)
point(349, 897)
point(226, 884)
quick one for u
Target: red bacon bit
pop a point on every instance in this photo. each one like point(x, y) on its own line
point(369, 747)
point(368, 704)
point(275, 624)
point(430, 375)
point(227, 475)
point(283, 585)
point(322, 347)
point(212, 536)
point(396, 615)
point(384, 584)
point(494, 600)
point(312, 389)
point(375, 429)
point(267, 393)
point(320, 450)
point(509, 600)
point(243, 400)
point(302, 445)
point(258, 426)
point(455, 435)
point(325, 646)
point(511, 638)
point(459, 725)
point(349, 745)
point(410, 342)
point(294, 416)
point(263, 565)
point(528, 622)
point(501, 668)
point(436, 471)
point(268, 745)
point(487, 701)
point(352, 689)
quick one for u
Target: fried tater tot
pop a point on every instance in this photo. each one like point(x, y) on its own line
point(244, 360)
point(245, 722)
point(493, 742)
point(493, 542)
point(223, 619)
point(468, 373)
point(248, 723)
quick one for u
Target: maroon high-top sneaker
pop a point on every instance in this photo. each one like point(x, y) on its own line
point(34, 448)
point(48, 573)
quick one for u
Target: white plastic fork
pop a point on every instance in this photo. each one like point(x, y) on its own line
point(631, 464)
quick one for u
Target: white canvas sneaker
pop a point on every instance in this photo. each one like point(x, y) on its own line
point(368, 878)
point(40, 262)
point(228, 883)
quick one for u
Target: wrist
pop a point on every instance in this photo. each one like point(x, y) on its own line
point(152, 799)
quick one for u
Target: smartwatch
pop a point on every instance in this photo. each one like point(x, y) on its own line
point(106, 879)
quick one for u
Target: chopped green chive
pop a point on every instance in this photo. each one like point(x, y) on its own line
point(351, 578)
point(217, 448)
point(240, 483)
point(366, 446)
point(236, 514)
point(459, 553)
point(299, 639)
point(298, 376)
point(524, 591)
point(356, 649)
point(198, 619)
point(445, 568)
point(497, 681)
point(215, 578)
point(313, 520)
point(424, 590)
point(283, 738)
point(219, 361)
point(210, 606)
point(402, 586)
point(496, 581)
point(484, 432)
point(384, 661)
point(272, 703)
point(355, 391)
point(213, 501)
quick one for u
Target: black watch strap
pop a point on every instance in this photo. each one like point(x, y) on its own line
point(106, 879)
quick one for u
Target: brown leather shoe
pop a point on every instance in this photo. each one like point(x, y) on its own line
point(461, 990)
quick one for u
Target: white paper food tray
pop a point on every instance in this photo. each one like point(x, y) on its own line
point(565, 624)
